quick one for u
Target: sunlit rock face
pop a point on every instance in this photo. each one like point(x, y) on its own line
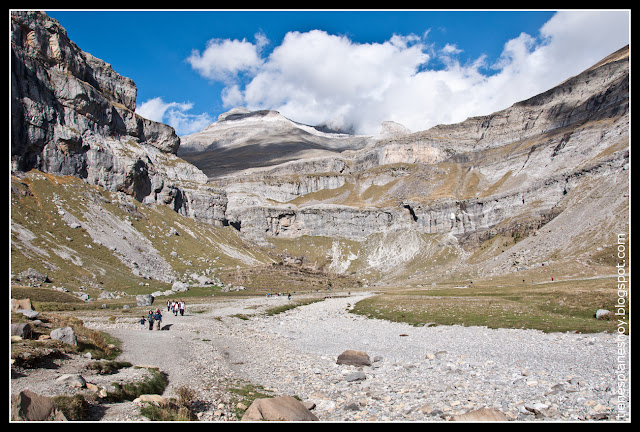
point(72, 114)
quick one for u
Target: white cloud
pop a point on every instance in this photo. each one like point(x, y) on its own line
point(154, 109)
point(451, 49)
point(315, 77)
point(174, 114)
point(223, 59)
point(232, 96)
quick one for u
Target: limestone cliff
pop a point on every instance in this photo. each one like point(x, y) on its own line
point(524, 172)
point(543, 180)
point(72, 114)
point(242, 141)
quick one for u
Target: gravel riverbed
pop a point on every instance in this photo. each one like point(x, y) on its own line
point(417, 374)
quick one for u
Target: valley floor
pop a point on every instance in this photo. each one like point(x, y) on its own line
point(418, 373)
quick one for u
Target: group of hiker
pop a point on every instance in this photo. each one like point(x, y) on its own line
point(176, 307)
point(269, 295)
point(155, 317)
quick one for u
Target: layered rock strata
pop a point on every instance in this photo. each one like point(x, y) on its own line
point(72, 114)
point(521, 163)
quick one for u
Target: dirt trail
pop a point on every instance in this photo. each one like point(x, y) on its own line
point(211, 349)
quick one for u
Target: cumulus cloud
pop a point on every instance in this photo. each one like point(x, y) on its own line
point(319, 78)
point(174, 114)
point(224, 59)
point(316, 77)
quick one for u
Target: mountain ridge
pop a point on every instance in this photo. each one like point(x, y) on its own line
point(543, 181)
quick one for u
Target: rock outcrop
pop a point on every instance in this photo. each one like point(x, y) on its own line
point(506, 172)
point(243, 141)
point(72, 114)
point(551, 173)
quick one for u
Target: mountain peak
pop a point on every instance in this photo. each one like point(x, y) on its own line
point(232, 112)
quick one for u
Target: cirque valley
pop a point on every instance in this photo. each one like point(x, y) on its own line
point(465, 224)
point(399, 207)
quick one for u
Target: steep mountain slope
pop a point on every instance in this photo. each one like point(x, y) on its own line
point(81, 235)
point(98, 195)
point(524, 172)
point(242, 140)
point(72, 114)
point(104, 199)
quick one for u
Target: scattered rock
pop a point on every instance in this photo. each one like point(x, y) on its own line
point(100, 391)
point(144, 300)
point(438, 355)
point(281, 408)
point(356, 376)
point(65, 334)
point(30, 406)
point(426, 409)
point(352, 407)
point(22, 330)
point(107, 295)
point(482, 414)
point(538, 409)
point(356, 358)
point(33, 276)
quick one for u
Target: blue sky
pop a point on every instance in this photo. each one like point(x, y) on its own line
point(346, 69)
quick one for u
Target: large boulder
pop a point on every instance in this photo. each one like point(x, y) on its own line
point(604, 314)
point(281, 408)
point(144, 300)
point(22, 330)
point(17, 304)
point(72, 380)
point(155, 399)
point(65, 334)
point(29, 313)
point(482, 414)
point(30, 406)
point(356, 358)
point(180, 286)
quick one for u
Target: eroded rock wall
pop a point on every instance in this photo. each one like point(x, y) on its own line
point(72, 114)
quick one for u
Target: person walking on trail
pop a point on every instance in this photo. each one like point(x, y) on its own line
point(142, 323)
point(158, 319)
point(181, 305)
point(150, 320)
point(168, 305)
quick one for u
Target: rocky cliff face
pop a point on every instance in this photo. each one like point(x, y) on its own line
point(72, 114)
point(510, 174)
point(242, 142)
point(543, 180)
